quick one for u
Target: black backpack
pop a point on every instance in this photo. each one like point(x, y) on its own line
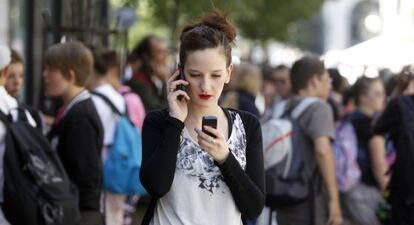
point(402, 180)
point(37, 190)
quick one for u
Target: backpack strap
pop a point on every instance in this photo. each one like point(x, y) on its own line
point(108, 102)
point(302, 106)
point(279, 109)
point(6, 119)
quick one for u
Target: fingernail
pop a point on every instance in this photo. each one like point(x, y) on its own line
point(196, 130)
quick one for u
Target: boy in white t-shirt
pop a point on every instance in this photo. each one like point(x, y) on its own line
point(100, 84)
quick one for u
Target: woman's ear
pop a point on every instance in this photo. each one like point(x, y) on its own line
point(229, 70)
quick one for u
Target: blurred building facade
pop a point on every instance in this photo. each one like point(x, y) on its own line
point(30, 26)
point(349, 22)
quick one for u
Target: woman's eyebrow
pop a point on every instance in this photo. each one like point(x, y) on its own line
point(196, 71)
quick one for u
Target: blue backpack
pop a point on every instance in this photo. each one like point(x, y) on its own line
point(121, 168)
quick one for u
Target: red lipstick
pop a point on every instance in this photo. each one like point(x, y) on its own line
point(205, 97)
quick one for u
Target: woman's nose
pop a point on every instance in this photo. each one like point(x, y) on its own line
point(205, 84)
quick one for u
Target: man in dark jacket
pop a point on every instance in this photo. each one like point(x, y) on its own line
point(148, 64)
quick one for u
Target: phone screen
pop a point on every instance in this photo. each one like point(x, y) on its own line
point(210, 121)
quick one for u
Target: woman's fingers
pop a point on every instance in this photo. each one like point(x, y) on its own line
point(177, 93)
point(206, 138)
point(173, 85)
point(213, 131)
point(173, 77)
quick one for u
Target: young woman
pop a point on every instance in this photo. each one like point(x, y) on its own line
point(194, 178)
point(370, 100)
point(247, 87)
point(369, 96)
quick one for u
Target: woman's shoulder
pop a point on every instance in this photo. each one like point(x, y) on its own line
point(248, 119)
point(157, 115)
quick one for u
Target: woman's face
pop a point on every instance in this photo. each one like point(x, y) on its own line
point(206, 72)
point(56, 84)
point(375, 97)
point(15, 79)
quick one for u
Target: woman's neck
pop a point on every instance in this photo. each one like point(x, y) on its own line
point(196, 113)
point(98, 81)
point(116, 84)
point(71, 94)
point(366, 110)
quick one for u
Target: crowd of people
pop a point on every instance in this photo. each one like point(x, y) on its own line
point(356, 139)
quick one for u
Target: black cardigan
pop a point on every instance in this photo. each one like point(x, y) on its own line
point(80, 136)
point(161, 139)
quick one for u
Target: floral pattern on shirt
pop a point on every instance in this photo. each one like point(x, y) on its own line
point(199, 165)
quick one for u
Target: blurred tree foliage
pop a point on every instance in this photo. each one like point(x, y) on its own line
point(257, 20)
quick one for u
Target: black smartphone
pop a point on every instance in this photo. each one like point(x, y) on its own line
point(181, 76)
point(210, 121)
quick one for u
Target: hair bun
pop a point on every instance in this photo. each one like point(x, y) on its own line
point(219, 21)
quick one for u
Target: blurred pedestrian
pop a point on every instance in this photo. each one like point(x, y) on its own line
point(369, 96)
point(276, 89)
point(281, 75)
point(405, 82)
point(397, 120)
point(370, 99)
point(77, 134)
point(247, 87)
point(310, 79)
point(148, 61)
point(99, 85)
point(7, 102)
point(14, 85)
point(339, 85)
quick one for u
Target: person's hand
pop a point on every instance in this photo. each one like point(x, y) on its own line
point(178, 108)
point(335, 215)
point(216, 147)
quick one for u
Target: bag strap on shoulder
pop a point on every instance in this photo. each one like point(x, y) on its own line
point(302, 106)
point(108, 102)
point(6, 119)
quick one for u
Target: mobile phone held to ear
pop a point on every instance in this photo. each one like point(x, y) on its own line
point(181, 77)
point(210, 121)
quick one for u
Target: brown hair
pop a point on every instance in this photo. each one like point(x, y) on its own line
point(362, 86)
point(214, 30)
point(16, 57)
point(104, 59)
point(303, 70)
point(71, 56)
point(248, 78)
point(403, 80)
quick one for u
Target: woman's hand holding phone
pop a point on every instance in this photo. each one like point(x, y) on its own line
point(178, 108)
point(215, 146)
